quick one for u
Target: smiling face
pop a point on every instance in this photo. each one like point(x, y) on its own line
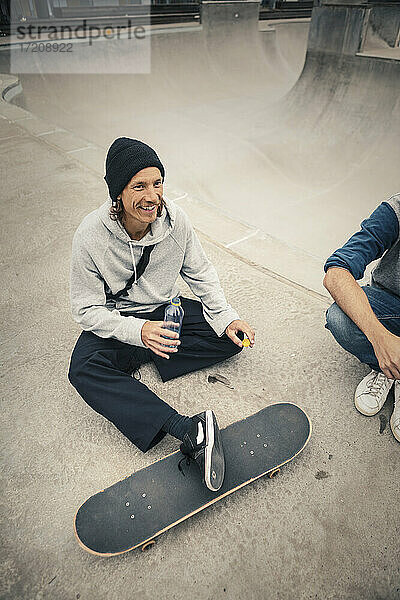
point(140, 198)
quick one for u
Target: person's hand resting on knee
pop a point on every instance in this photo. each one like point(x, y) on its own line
point(239, 325)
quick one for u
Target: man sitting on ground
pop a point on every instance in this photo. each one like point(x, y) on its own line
point(126, 259)
point(365, 320)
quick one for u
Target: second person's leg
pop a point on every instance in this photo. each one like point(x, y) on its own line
point(372, 391)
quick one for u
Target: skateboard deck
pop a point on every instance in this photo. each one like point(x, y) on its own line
point(132, 512)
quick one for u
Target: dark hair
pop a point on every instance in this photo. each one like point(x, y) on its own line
point(117, 209)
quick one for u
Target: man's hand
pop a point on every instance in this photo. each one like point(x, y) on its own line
point(153, 337)
point(352, 299)
point(387, 350)
point(240, 325)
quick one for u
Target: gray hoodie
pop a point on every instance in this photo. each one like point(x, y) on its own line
point(104, 258)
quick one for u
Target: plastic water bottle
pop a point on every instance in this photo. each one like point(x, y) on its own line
point(173, 316)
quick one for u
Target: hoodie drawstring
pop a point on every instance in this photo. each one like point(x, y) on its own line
point(133, 260)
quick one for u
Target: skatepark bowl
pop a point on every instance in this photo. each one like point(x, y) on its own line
point(278, 138)
point(299, 144)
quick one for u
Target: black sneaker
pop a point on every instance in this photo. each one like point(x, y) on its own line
point(204, 445)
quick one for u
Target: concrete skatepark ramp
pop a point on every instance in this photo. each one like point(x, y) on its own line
point(299, 154)
point(273, 148)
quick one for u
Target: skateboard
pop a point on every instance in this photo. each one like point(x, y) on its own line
point(133, 512)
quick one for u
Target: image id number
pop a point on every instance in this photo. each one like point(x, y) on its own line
point(46, 47)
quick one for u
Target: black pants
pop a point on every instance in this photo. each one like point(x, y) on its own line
point(100, 370)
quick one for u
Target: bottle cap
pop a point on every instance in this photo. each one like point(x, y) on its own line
point(246, 343)
point(176, 301)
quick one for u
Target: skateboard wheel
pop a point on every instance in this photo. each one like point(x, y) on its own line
point(148, 545)
point(274, 473)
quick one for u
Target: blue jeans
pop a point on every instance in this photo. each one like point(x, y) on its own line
point(386, 307)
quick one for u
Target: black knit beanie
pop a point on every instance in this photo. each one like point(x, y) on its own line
point(125, 158)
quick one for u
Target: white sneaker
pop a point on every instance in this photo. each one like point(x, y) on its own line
point(395, 418)
point(371, 393)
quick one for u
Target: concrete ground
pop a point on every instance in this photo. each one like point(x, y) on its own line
point(326, 528)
